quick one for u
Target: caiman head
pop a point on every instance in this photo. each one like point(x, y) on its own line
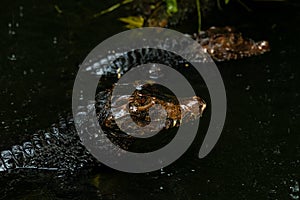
point(225, 43)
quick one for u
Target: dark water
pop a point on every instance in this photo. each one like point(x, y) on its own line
point(258, 154)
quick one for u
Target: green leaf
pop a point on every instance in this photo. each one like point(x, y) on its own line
point(199, 15)
point(227, 1)
point(133, 21)
point(171, 6)
point(112, 8)
point(58, 10)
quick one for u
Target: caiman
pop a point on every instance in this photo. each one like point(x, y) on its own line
point(59, 147)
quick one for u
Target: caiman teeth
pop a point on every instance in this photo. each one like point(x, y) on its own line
point(119, 73)
point(174, 123)
point(202, 109)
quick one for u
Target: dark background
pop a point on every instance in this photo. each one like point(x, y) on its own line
point(258, 154)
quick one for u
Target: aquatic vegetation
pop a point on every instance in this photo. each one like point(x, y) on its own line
point(159, 13)
point(133, 21)
point(169, 12)
point(171, 6)
point(199, 15)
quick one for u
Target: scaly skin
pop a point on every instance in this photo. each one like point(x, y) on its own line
point(225, 43)
point(59, 148)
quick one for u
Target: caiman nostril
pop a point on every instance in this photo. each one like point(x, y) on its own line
point(264, 45)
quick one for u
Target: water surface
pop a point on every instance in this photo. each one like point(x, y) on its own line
point(258, 154)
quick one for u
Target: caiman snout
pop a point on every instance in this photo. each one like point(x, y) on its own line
point(263, 46)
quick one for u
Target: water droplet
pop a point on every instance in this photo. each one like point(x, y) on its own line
point(139, 87)
point(161, 188)
point(54, 40)
point(272, 193)
point(12, 57)
point(295, 190)
point(9, 25)
point(11, 32)
point(155, 72)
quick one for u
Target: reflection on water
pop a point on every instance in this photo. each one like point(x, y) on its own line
point(258, 155)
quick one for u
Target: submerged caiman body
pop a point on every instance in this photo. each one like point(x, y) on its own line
point(59, 148)
point(56, 148)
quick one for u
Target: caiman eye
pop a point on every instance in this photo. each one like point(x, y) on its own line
point(264, 45)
